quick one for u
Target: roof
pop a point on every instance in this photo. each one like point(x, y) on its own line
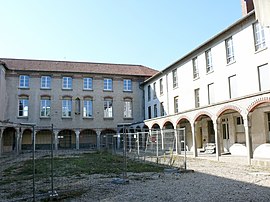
point(77, 67)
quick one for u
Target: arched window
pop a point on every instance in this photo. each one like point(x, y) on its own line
point(77, 106)
point(23, 108)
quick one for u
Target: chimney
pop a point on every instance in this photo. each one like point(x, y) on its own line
point(247, 6)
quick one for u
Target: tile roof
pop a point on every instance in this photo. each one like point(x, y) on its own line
point(77, 67)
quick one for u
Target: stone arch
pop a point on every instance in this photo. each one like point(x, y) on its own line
point(108, 139)
point(257, 102)
point(167, 121)
point(88, 139)
point(182, 118)
point(43, 139)
point(229, 107)
point(9, 139)
point(168, 125)
point(202, 113)
point(66, 139)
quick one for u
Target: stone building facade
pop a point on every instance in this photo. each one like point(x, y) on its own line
point(83, 102)
point(219, 92)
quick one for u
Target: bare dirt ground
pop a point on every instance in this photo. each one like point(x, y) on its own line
point(210, 181)
point(226, 180)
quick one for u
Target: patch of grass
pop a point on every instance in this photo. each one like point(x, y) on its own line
point(84, 164)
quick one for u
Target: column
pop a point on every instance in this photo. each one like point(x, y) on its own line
point(98, 139)
point(77, 132)
point(20, 140)
point(17, 136)
point(56, 139)
point(193, 126)
point(176, 142)
point(248, 139)
point(1, 136)
point(218, 153)
point(162, 139)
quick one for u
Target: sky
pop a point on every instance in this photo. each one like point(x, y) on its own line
point(153, 33)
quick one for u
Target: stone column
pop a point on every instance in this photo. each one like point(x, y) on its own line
point(162, 139)
point(17, 136)
point(55, 132)
point(77, 132)
point(1, 142)
point(193, 130)
point(248, 139)
point(176, 142)
point(98, 139)
point(217, 141)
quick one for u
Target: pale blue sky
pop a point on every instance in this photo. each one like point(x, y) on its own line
point(154, 33)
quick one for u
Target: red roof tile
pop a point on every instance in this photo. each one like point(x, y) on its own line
point(79, 67)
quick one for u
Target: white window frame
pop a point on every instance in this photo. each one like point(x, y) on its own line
point(45, 82)
point(259, 36)
point(176, 104)
point(66, 107)
point(208, 60)
point(108, 108)
point(88, 108)
point(197, 97)
point(155, 110)
point(195, 68)
point(88, 83)
point(67, 82)
point(232, 86)
point(162, 110)
point(127, 85)
point(154, 90)
point(161, 86)
point(24, 103)
point(211, 95)
point(175, 78)
point(24, 81)
point(229, 50)
point(108, 84)
point(128, 108)
point(45, 107)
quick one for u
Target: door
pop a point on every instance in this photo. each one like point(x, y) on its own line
point(226, 134)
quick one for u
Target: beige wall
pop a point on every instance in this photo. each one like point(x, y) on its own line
point(2, 92)
point(56, 93)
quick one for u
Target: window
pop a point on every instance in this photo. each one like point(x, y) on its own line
point(77, 106)
point(197, 97)
point(127, 85)
point(155, 110)
point(162, 111)
point(108, 108)
point(149, 92)
point(155, 90)
point(45, 82)
point(23, 106)
point(66, 107)
point(268, 126)
point(108, 84)
point(259, 39)
point(195, 68)
point(232, 86)
point(67, 83)
point(161, 86)
point(264, 74)
point(87, 83)
point(88, 107)
point(239, 120)
point(149, 112)
point(211, 97)
point(24, 81)
point(45, 107)
point(127, 108)
point(176, 104)
point(229, 50)
point(175, 79)
point(208, 60)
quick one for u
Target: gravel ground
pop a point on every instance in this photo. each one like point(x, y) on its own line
point(210, 181)
point(226, 180)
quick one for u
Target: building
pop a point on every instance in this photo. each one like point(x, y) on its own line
point(83, 101)
point(219, 92)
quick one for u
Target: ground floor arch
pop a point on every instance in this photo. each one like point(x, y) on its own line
point(88, 139)
point(9, 140)
point(66, 139)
